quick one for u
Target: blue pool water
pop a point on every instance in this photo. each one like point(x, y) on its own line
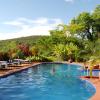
point(87, 73)
point(46, 82)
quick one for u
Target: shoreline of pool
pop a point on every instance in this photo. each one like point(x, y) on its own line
point(96, 83)
point(16, 70)
point(96, 96)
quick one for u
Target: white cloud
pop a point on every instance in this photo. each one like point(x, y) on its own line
point(41, 21)
point(72, 1)
point(28, 27)
point(14, 23)
point(69, 0)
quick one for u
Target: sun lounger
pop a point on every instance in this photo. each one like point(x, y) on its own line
point(96, 67)
point(3, 64)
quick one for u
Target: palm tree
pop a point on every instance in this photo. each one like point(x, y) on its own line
point(72, 50)
point(59, 51)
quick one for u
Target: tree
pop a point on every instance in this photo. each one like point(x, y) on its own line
point(96, 20)
point(76, 30)
point(24, 48)
point(82, 26)
point(60, 52)
point(44, 46)
point(59, 34)
point(34, 50)
point(19, 54)
point(72, 51)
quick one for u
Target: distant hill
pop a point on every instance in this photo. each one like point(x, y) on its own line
point(29, 40)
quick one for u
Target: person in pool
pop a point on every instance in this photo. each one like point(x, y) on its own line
point(85, 65)
point(53, 71)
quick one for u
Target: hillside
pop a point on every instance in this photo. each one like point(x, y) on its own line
point(28, 40)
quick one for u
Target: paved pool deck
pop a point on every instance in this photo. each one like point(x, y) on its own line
point(96, 83)
point(15, 68)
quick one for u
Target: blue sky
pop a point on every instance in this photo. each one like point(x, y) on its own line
point(36, 17)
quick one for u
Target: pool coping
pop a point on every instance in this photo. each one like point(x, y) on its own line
point(94, 81)
point(96, 96)
point(18, 70)
point(11, 72)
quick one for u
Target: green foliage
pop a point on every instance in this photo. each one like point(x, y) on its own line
point(4, 56)
point(34, 58)
point(76, 29)
point(58, 35)
point(96, 20)
point(34, 50)
point(91, 72)
point(60, 52)
point(78, 41)
point(19, 54)
point(39, 59)
point(85, 26)
point(72, 49)
point(64, 52)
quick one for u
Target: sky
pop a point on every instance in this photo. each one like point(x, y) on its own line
point(20, 18)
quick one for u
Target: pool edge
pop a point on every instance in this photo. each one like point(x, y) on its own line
point(18, 70)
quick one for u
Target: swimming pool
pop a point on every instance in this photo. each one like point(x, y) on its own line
point(87, 73)
point(46, 82)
